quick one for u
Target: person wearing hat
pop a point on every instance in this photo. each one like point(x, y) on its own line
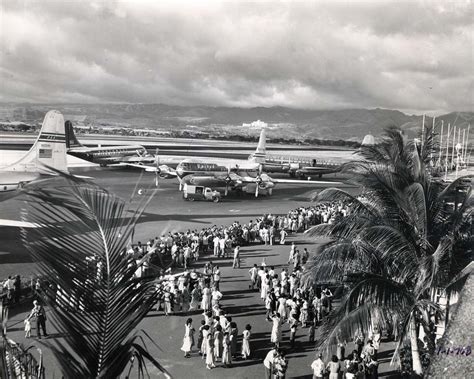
point(318, 367)
point(39, 313)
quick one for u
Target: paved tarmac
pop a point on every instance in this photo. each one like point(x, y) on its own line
point(169, 212)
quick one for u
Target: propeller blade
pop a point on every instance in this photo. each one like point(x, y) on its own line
point(256, 190)
point(157, 158)
point(180, 184)
point(226, 189)
point(156, 179)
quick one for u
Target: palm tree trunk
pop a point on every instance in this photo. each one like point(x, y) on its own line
point(415, 354)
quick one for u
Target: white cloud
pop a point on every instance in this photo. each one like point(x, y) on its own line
point(404, 55)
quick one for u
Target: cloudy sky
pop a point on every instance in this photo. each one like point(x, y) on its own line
point(409, 55)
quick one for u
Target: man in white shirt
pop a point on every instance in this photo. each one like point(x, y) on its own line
point(222, 242)
point(9, 284)
point(216, 246)
point(318, 367)
point(292, 253)
point(236, 262)
point(253, 272)
point(268, 362)
point(216, 277)
point(283, 235)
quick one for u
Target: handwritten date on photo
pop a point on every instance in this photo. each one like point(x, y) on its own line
point(454, 350)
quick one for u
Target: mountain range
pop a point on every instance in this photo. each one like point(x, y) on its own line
point(345, 124)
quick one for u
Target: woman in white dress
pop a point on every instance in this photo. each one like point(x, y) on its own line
point(218, 344)
point(246, 342)
point(265, 287)
point(226, 354)
point(210, 362)
point(205, 332)
point(276, 329)
point(195, 298)
point(188, 340)
point(282, 307)
point(206, 299)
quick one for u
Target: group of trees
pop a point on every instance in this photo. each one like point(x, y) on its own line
point(401, 240)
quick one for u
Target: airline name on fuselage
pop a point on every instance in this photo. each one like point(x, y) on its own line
point(195, 166)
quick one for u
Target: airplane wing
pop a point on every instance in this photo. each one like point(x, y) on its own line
point(137, 165)
point(163, 169)
point(295, 181)
point(266, 178)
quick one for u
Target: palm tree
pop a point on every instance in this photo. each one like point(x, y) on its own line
point(96, 299)
point(397, 243)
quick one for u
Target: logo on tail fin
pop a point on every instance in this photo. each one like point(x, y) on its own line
point(49, 148)
point(71, 140)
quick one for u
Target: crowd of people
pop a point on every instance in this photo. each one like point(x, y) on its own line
point(361, 363)
point(181, 249)
point(286, 298)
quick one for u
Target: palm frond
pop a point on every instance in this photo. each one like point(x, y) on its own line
point(395, 251)
point(94, 295)
point(374, 300)
point(416, 209)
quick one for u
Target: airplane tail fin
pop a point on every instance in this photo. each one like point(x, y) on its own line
point(260, 153)
point(71, 140)
point(49, 148)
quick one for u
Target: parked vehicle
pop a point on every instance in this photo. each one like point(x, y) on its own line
point(192, 193)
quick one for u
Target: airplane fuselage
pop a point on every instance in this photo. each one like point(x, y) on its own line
point(214, 167)
point(106, 155)
point(11, 182)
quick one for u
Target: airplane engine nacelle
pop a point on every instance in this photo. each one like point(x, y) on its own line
point(294, 166)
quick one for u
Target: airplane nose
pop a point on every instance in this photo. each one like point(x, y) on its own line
point(179, 170)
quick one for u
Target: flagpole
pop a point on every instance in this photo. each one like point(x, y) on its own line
point(447, 152)
point(467, 143)
point(462, 145)
point(422, 131)
point(441, 144)
point(454, 145)
point(432, 134)
point(457, 152)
